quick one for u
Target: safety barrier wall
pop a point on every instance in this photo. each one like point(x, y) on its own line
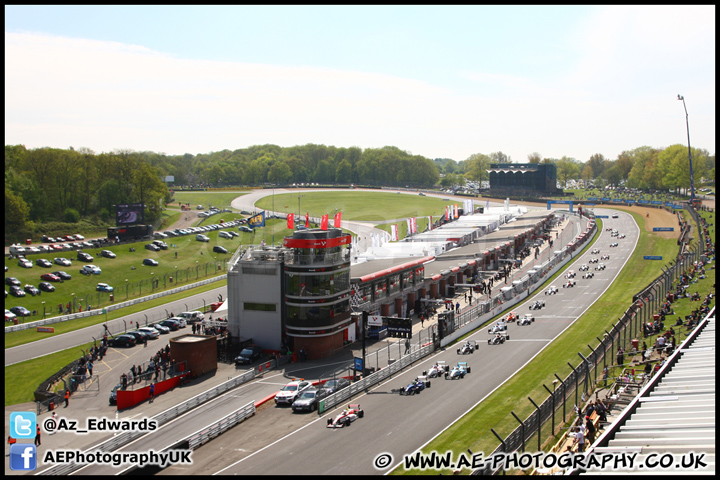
point(211, 431)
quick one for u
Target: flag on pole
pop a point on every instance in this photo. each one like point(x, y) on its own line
point(291, 221)
point(413, 225)
point(307, 220)
point(456, 211)
point(430, 222)
point(447, 213)
point(337, 219)
point(394, 233)
point(257, 220)
point(324, 222)
point(487, 204)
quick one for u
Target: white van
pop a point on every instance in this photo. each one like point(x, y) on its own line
point(191, 317)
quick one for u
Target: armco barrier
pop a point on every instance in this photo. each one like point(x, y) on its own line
point(211, 431)
point(162, 418)
point(99, 311)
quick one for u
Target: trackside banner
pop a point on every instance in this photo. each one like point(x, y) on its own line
point(257, 220)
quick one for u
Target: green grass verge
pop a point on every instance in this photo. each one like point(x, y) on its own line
point(472, 431)
point(206, 199)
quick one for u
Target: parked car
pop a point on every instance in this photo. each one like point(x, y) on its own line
point(31, 289)
point(46, 287)
point(62, 261)
point(16, 291)
point(336, 384)
point(122, 341)
point(140, 337)
point(150, 262)
point(248, 355)
point(309, 399)
point(202, 238)
point(150, 331)
point(12, 281)
point(24, 263)
point(181, 322)
point(219, 249)
point(244, 228)
point(171, 324)
point(50, 277)
point(107, 254)
point(224, 234)
point(9, 316)
point(113, 393)
point(291, 392)
point(162, 329)
point(191, 317)
point(85, 257)
point(63, 275)
point(153, 247)
point(90, 270)
point(21, 311)
point(161, 244)
point(41, 262)
point(104, 287)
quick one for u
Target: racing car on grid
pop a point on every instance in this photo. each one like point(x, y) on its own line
point(526, 319)
point(569, 284)
point(570, 274)
point(500, 326)
point(584, 268)
point(605, 257)
point(593, 260)
point(600, 267)
point(614, 244)
point(537, 305)
point(552, 290)
point(587, 275)
point(511, 317)
point(458, 371)
point(346, 417)
point(469, 347)
point(622, 235)
point(498, 339)
point(416, 386)
point(439, 368)
point(595, 251)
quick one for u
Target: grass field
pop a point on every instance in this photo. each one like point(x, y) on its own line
point(374, 207)
point(206, 199)
point(472, 431)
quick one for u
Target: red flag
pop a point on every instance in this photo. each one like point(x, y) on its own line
point(324, 222)
point(447, 213)
point(291, 221)
point(337, 219)
point(307, 220)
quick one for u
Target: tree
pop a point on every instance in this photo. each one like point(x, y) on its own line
point(16, 212)
point(499, 157)
point(279, 173)
point(534, 157)
point(477, 166)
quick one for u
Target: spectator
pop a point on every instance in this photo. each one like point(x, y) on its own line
point(620, 356)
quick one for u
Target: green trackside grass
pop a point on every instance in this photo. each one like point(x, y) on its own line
point(208, 199)
point(373, 207)
point(473, 430)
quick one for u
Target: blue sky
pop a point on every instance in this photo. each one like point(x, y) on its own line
point(437, 81)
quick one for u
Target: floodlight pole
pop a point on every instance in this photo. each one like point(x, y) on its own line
point(687, 124)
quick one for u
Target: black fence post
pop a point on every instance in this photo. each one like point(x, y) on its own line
point(576, 382)
point(539, 422)
point(552, 395)
point(522, 431)
point(564, 394)
point(502, 442)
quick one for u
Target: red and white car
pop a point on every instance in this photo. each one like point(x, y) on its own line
point(346, 417)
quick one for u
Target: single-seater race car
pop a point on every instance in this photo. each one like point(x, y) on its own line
point(436, 370)
point(569, 284)
point(622, 235)
point(511, 317)
point(600, 267)
point(527, 319)
point(498, 339)
point(595, 251)
point(552, 290)
point(570, 274)
point(593, 260)
point(416, 386)
point(614, 244)
point(588, 275)
point(605, 257)
point(584, 268)
point(537, 305)
point(346, 417)
point(458, 371)
point(469, 347)
point(500, 326)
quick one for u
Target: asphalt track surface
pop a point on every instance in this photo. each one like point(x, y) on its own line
point(277, 441)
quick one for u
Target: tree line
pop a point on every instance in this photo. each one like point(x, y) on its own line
point(50, 184)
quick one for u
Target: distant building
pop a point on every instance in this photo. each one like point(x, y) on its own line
point(523, 179)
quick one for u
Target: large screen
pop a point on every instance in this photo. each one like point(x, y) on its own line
point(129, 214)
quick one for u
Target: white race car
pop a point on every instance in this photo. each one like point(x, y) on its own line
point(500, 326)
point(469, 347)
point(537, 305)
point(458, 371)
point(436, 370)
point(587, 275)
point(584, 268)
point(346, 417)
point(570, 274)
point(595, 251)
point(527, 319)
point(614, 244)
point(552, 290)
point(498, 339)
point(605, 257)
point(569, 284)
point(600, 266)
point(593, 260)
